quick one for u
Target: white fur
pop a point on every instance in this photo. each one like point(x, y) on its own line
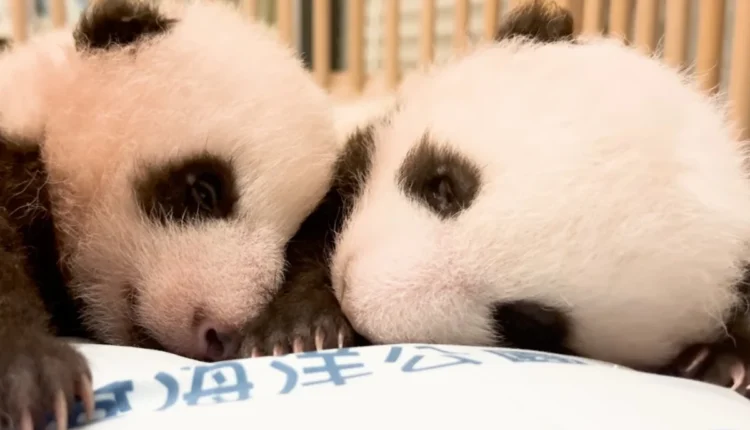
point(610, 187)
point(25, 71)
point(216, 83)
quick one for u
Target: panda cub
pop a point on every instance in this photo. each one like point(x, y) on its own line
point(572, 196)
point(154, 166)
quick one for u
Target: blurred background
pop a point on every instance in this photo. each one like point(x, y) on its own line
point(360, 47)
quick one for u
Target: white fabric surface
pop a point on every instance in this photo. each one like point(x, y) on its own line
point(401, 385)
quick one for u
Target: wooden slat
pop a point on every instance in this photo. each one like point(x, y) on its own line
point(391, 51)
point(676, 32)
point(250, 7)
point(321, 41)
point(620, 16)
point(355, 40)
point(710, 40)
point(490, 12)
point(646, 21)
point(57, 13)
point(19, 10)
point(427, 32)
point(284, 20)
point(739, 79)
point(593, 17)
point(575, 7)
point(461, 26)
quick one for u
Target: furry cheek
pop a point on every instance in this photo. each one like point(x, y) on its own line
point(182, 285)
point(177, 286)
point(400, 287)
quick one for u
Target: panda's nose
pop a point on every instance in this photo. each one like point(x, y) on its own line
point(216, 342)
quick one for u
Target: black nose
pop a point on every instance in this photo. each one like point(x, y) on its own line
point(528, 324)
point(216, 343)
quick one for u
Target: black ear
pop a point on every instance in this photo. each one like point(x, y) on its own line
point(108, 24)
point(539, 20)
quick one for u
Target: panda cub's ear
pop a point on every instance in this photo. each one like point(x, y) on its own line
point(112, 24)
point(539, 20)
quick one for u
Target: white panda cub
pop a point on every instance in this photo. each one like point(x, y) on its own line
point(151, 178)
point(567, 197)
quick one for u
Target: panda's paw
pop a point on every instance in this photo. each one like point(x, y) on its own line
point(720, 364)
point(40, 378)
point(300, 320)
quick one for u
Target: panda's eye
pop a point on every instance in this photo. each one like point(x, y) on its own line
point(197, 188)
point(439, 194)
point(440, 178)
point(205, 192)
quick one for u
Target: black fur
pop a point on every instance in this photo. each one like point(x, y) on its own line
point(528, 324)
point(111, 24)
point(306, 302)
point(34, 304)
point(194, 189)
point(539, 20)
point(440, 178)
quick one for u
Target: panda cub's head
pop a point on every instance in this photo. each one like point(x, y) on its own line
point(562, 197)
point(184, 149)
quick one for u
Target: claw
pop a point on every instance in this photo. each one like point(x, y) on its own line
point(278, 350)
point(298, 345)
point(320, 338)
point(255, 352)
point(86, 392)
point(737, 372)
point(697, 362)
point(61, 411)
point(26, 422)
point(341, 338)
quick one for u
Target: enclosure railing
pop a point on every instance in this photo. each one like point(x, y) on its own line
point(637, 21)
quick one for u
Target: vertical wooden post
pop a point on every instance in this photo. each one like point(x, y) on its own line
point(57, 13)
point(391, 59)
point(739, 79)
point(461, 26)
point(575, 7)
point(710, 41)
point(593, 17)
point(19, 15)
point(355, 43)
point(427, 32)
point(620, 16)
point(646, 21)
point(321, 41)
point(676, 32)
point(284, 20)
point(490, 12)
point(251, 8)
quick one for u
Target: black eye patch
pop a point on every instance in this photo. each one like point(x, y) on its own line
point(527, 324)
point(440, 178)
point(194, 189)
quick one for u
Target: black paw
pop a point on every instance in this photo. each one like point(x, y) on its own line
point(300, 320)
point(720, 364)
point(41, 377)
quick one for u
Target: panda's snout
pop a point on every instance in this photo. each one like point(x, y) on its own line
point(215, 342)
